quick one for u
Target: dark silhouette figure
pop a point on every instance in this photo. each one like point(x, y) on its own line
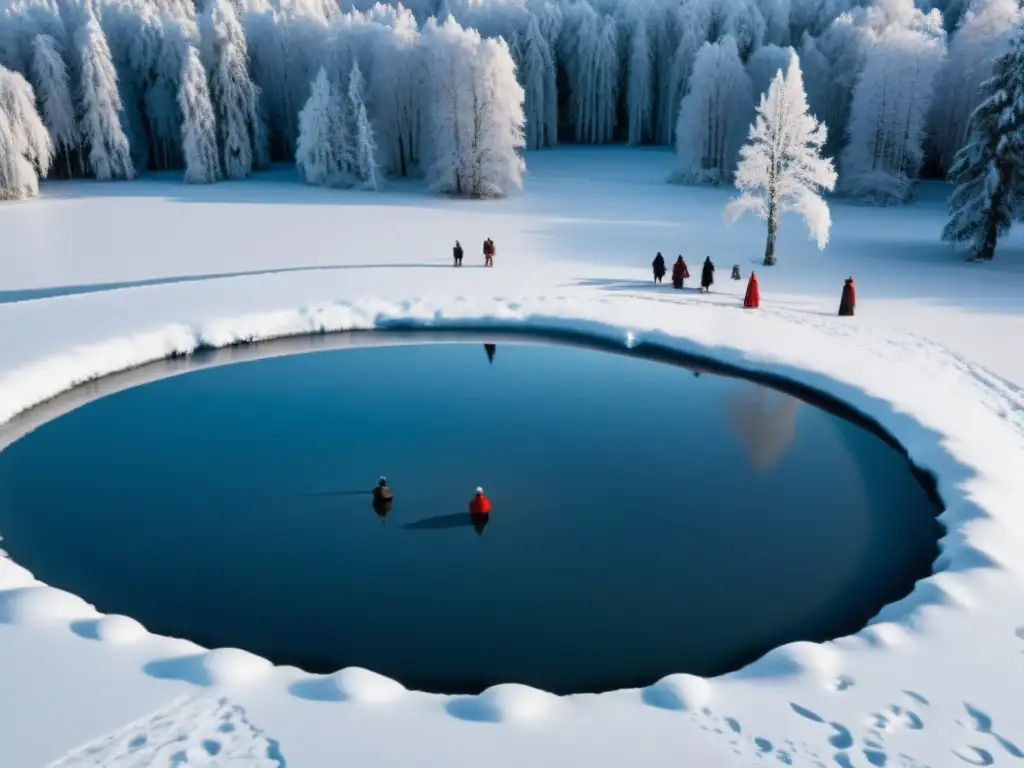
point(753, 298)
point(480, 522)
point(848, 302)
point(490, 349)
point(707, 275)
point(736, 272)
point(679, 273)
point(658, 265)
point(383, 498)
point(457, 253)
point(488, 252)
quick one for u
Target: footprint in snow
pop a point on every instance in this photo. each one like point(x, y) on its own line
point(203, 730)
point(974, 755)
point(980, 722)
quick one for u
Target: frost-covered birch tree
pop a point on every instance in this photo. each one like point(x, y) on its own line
point(537, 75)
point(891, 103)
point(989, 170)
point(364, 145)
point(476, 119)
point(198, 125)
point(982, 36)
point(322, 147)
point(242, 135)
point(781, 167)
point(709, 128)
point(693, 20)
point(53, 92)
point(640, 86)
point(764, 63)
point(25, 147)
point(106, 146)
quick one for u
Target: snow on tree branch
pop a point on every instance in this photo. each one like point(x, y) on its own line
point(25, 147)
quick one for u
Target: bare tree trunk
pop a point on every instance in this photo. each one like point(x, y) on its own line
point(773, 226)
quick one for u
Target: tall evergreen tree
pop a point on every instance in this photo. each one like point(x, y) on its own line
point(25, 147)
point(989, 170)
point(198, 125)
point(108, 153)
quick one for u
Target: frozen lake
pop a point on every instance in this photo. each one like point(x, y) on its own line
point(645, 520)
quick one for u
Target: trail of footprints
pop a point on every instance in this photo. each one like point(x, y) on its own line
point(193, 731)
point(904, 714)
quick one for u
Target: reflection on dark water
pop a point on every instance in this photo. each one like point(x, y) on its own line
point(632, 542)
point(479, 522)
point(765, 421)
point(490, 349)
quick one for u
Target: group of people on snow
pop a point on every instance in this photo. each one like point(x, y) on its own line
point(752, 297)
point(680, 272)
point(458, 253)
point(479, 505)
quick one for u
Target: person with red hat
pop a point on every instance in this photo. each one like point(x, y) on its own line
point(753, 298)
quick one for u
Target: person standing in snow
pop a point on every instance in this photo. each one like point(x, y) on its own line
point(707, 275)
point(848, 302)
point(753, 298)
point(488, 252)
point(457, 253)
point(679, 273)
point(658, 265)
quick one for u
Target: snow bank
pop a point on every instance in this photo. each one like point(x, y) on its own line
point(41, 604)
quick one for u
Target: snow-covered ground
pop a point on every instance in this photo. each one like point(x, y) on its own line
point(98, 277)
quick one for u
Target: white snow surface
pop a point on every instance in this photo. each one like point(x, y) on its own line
point(100, 277)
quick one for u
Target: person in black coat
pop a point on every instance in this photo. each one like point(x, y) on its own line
point(457, 253)
point(383, 498)
point(658, 265)
point(707, 275)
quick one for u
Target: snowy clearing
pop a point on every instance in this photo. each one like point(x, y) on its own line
point(933, 356)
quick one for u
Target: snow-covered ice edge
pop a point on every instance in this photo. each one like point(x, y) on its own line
point(955, 421)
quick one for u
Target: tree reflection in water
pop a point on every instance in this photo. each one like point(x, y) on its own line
point(765, 420)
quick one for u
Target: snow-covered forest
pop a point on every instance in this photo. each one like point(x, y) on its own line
point(218, 87)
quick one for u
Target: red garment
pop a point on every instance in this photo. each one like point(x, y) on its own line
point(480, 505)
point(678, 272)
point(853, 295)
point(753, 298)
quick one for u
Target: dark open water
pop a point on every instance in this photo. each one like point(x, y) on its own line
point(645, 521)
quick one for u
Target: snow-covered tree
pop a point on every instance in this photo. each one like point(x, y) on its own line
point(198, 126)
point(322, 146)
point(243, 141)
point(693, 20)
point(764, 63)
point(781, 167)
point(745, 24)
point(640, 90)
point(537, 75)
point(592, 66)
point(709, 128)
point(25, 147)
point(106, 146)
point(53, 91)
point(477, 113)
point(889, 112)
point(989, 170)
point(982, 35)
point(364, 146)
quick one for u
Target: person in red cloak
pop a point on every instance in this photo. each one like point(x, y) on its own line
point(753, 298)
point(479, 510)
point(848, 302)
point(679, 273)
